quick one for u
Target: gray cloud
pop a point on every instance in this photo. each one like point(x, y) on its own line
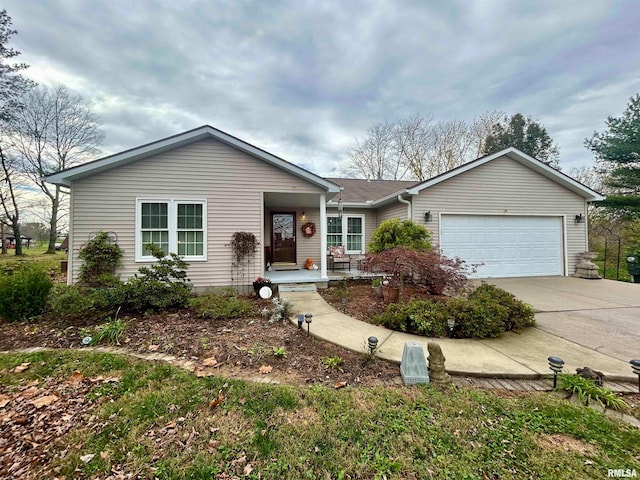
point(303, 79)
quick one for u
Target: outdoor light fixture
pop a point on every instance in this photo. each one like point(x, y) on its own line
point(372, 342)
point(635, 366)
point(304, 216)
point(555, 364)
point(300, 320)
point(307, 318)
point(451, 323)
point(579, 218)
point(427, 216)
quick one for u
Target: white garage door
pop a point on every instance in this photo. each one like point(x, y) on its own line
point(507, 246)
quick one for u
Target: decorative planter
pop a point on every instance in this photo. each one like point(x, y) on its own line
point(391, 294)
point(258, 285)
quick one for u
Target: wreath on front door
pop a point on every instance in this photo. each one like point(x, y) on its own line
point(309, 229)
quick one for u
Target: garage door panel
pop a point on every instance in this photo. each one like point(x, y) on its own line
point(507, 246)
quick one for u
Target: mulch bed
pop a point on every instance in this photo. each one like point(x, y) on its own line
point(240, 346)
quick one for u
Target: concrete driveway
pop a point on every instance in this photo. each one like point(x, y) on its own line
point(602, 315)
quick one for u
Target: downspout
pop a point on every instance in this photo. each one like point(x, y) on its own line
point(408, 203)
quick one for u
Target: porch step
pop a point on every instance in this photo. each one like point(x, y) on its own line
point(297, 287)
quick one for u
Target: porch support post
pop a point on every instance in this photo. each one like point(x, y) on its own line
point(323, 237)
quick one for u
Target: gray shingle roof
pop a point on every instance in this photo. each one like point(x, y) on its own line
point(360, 190)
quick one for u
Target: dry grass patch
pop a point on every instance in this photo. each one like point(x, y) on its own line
point(565, 443)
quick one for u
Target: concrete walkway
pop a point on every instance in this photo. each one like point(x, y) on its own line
point(512, 355)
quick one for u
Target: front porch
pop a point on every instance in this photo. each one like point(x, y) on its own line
point(314, 276)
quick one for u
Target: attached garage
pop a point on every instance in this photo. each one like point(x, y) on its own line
point(507, 246)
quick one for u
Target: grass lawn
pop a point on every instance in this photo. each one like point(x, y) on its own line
point(152, 420)
point(35, 254)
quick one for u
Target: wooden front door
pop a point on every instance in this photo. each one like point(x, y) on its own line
point(283, 237)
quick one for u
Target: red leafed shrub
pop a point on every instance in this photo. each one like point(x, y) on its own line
point(437, 272)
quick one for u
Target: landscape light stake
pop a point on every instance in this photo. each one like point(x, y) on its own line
point(555, 364)
point(307, 318)
point(635, 366)
point(373, 344)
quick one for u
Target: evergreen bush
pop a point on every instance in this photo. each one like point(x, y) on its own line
point(23, 293)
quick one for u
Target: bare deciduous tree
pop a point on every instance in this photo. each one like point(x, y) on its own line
point(54, 130)
point(419, 148)
point(9, 193)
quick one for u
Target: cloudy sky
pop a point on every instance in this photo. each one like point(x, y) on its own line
point(304, 79)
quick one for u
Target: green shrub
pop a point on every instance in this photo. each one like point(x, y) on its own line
point(428, 318)
point(23, 293)
point(520, 315)
point(422, 317)
point(77, 301)
point(395, 232)
point(477, 319)
point(221, 303)
point(69, 301)
point(100, 258)
point(161, 286)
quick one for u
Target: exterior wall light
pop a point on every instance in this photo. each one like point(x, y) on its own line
point(579, 218)
point(555, 364)
point(635, 366)
point(372, 343)
point(427, 216)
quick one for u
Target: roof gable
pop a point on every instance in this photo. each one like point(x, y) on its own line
point(66, 177)
point(522, 158)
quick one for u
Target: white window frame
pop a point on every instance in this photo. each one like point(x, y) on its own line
point(345, 224)
point(172, 213)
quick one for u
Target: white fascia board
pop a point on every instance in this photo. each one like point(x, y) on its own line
point(154, 148)
point(523, 158)
point(391, 198)
point(334, 204)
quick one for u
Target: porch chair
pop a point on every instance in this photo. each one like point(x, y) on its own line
point(338, 257)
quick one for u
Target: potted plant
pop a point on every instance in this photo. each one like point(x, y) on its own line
point(260, 282)
point(391, 289)
point(377, 286)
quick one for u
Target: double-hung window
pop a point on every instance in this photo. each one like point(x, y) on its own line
point(348, 231)
point(175, 226)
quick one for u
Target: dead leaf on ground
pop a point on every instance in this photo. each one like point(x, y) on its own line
point(106, 379)
point(4, 400)
point(153, 348)
point(264, 369)
point(76, 377)
point(22, 367)
point(29, 392)
point(248, 469)
point(44, 401)
point(209, 362)
point(242, 400)
point(340, 385)
point(217, 401)
point(204, 372)
point(88, 457)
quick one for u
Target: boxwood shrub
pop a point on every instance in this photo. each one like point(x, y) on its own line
point(487, 312)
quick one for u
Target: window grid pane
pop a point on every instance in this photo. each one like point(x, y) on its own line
point(334, 225)
point(354, 225)
point(334, 240)
point(154, 215)
point(189, 216)
point(159, 238)
point(354, 242)
point(190, 243)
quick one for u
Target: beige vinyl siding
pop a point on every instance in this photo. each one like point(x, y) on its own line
point(393, 210)
point(505, 187)
point(231, 181)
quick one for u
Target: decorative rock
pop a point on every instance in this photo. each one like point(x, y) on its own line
point(591, 374)
point(437, 371)
point(413, 367)
point(586, 268)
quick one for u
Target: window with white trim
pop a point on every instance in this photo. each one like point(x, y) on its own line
point(175, 226)
point(348, 231)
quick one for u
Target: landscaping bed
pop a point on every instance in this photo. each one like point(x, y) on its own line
point(240, 346)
